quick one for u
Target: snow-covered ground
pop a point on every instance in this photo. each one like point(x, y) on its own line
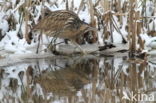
point(11, 43)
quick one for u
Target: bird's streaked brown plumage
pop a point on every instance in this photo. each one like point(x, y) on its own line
point(62, 24)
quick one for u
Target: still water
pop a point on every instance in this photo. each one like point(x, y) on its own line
point(87, 79)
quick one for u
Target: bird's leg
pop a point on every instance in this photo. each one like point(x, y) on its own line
point(77, 45)
point(39, 38)
point(56, 43)
point(52, 45)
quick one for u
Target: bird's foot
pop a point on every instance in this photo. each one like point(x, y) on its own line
point(80, 50)
point(84, 52)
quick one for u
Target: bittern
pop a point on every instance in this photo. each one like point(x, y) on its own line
point(63, 24)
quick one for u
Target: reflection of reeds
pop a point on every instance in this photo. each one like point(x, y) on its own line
point(116, 83)
point(96, 85)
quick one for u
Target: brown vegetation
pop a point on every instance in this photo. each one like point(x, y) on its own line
point(108, 16)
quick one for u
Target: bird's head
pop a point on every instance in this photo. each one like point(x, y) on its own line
point(84, 28)
point(86, 33)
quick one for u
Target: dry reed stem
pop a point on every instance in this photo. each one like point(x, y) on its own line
point(81, 6)
point(67, 5)
point(106, 5)
point(132, 29)
point(125, 10)
point(91, 10)
point(28, 4)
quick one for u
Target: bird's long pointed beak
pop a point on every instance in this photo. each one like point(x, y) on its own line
point(91, 29)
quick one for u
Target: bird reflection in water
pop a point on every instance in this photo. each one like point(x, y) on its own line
point(72, 80)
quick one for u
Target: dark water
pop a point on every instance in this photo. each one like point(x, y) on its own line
point(86, 79)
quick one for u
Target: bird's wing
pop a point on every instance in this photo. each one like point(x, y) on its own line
point(57, 20)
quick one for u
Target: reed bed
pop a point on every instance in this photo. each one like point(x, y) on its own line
point(134, 17)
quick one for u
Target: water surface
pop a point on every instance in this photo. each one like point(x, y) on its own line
point(87, 79)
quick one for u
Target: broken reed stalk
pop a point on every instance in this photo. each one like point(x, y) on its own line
point(72, 5)
point(26, 16)
point(105, 5)
point(111, 26)
point(19, 33)
point(67, 5)
point(119, 10)
point(93, 21)
point(118, 30)
point(132, 29)
point(138, 32)
point(144, 13)
point(97, 3)
point(81, 6)
point(91, 10)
